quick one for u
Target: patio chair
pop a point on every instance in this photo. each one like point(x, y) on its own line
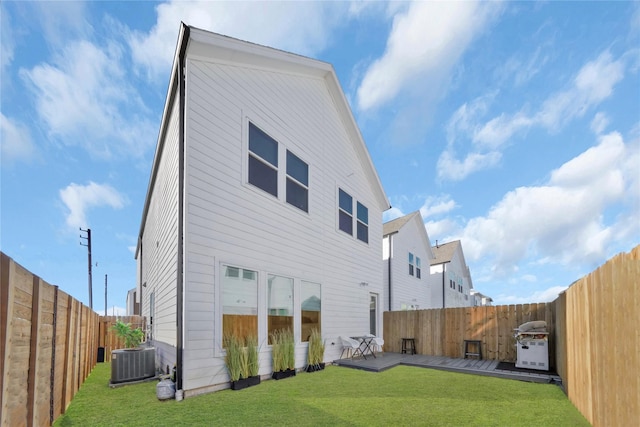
point(351, 346)
point(379, 342)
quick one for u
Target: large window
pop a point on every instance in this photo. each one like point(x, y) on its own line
point(279, 304)
point(263, 161)
point(346, 217)
point(310, 308)
point(239, 302)
point(345, 212)
point(410, 264)
point(363, 223)
point(297, 182)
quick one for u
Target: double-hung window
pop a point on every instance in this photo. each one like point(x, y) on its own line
point(410, 264)
point(345, 212)
point(418, 267)
point(263, 160)
point(346, 216)
point(363, 223)
point(297, 182)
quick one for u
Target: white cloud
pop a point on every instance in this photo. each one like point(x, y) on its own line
point(437, 206)
point(450, 168)
point(599, 123)
point(113, 311)
point(17, 144)
point(81, 198)
point(84, 99)
point(425, 42)
point(7, 42)
point(545, 295)
point(563, 219)
point(391, 214)
point(592, 84)
point(300, 27)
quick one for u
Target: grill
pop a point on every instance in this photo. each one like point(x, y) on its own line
point(532, 341)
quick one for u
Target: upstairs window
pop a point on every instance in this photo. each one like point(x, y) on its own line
point(363, 223)
point(345, 212)
point(410, 264)
point(418, 267)
point(263, 161)
point(297, 182)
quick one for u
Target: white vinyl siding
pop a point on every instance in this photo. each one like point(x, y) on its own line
point(229, 222)
point(159, 242)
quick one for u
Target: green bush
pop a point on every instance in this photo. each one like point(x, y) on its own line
point(132, 337)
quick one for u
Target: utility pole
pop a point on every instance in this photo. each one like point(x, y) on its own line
point(105, 294)
point(88, 245)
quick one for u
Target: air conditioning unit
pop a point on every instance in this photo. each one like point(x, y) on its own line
point(132, 364)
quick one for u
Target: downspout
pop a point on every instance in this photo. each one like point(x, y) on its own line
point(444, 265)
point(180, 267)
point(389, 267)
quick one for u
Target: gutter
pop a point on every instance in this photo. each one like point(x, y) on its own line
point(180, 266)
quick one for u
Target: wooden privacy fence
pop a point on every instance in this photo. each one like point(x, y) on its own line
point(598, 329)
point(48, 346)
point(441, 332)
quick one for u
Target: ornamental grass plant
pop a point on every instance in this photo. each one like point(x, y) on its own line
point(316, 348)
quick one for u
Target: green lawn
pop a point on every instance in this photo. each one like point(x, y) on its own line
point(336, 396)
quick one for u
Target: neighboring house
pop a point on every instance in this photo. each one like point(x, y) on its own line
point(133, 306)
point(480, 299)
point(452, 275)
point(263, 210)
point(406, 255)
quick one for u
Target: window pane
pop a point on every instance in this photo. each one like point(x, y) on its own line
point(297, 169)
point(263, 176)
point(297, 195)
point(280, 304)
point(263, 145)
point(345, 202)
point(363, 213)
point(310, 308)
point(345, 222)
point(418, 262)
point(239, 302)
point(363, 232)
point(410, 258)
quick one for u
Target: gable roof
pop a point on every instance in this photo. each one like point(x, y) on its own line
point(444, 252)
point(395, 225)
point(200, 43)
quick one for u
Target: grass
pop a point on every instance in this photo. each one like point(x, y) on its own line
point(336, 396)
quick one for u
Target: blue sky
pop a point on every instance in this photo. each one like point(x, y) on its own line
point(513, 126)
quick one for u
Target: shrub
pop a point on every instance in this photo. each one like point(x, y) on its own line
point(132, 337)
point(316, 348)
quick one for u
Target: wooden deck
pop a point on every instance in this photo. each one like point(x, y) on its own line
point(385, 361)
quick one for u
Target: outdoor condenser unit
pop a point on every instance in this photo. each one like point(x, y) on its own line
point(532, 341)
point(132, 364)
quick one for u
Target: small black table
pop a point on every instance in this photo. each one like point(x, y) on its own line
point(365, 345)
point(409, 345)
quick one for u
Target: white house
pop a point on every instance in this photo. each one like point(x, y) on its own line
point(452, 274)
point(263, 210)
point(479, 299)
point(406, 259)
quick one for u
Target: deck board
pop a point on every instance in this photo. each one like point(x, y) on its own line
point(385, 361)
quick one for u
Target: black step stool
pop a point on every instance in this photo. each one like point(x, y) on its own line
point(478, 347)
point(408, 344)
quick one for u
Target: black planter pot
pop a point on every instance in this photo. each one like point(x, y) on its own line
point(314, 368)
point(283, 374)
point(245, 382)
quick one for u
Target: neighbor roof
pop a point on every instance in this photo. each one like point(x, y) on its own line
point(395, 225)
point(444, 252)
